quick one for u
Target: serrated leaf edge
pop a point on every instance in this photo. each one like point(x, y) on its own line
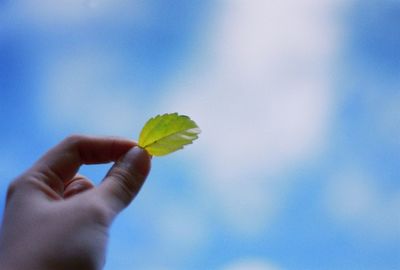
point(155, 127)
point(196, 129)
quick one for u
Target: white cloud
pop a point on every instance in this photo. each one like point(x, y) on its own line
point(263, 100)
point(87, 92)
point(353, 200)
point(250, 264)
point(181, 231)
point(176, 235)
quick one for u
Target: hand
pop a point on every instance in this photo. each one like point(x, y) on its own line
point(55, 218)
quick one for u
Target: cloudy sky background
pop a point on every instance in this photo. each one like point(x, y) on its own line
point(299, 103)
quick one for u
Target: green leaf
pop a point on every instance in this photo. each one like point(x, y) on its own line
point(168, 133)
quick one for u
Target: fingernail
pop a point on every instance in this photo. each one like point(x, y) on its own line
point(137, 160)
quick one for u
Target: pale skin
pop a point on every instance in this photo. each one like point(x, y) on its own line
point(57, 219)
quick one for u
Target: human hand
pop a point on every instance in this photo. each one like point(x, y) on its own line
point(55, 218)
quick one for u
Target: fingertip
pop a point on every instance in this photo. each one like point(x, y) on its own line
point(125, 178)
point(138, 160)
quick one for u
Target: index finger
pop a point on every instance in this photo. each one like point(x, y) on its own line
point(64, 160)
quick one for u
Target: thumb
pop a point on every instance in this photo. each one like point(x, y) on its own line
point(125, 179)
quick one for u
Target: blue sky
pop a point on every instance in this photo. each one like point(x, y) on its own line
point(297, 165)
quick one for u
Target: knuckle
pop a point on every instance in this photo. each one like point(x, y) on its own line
point(12, 188)
point(17, 184)
point(74, 139)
